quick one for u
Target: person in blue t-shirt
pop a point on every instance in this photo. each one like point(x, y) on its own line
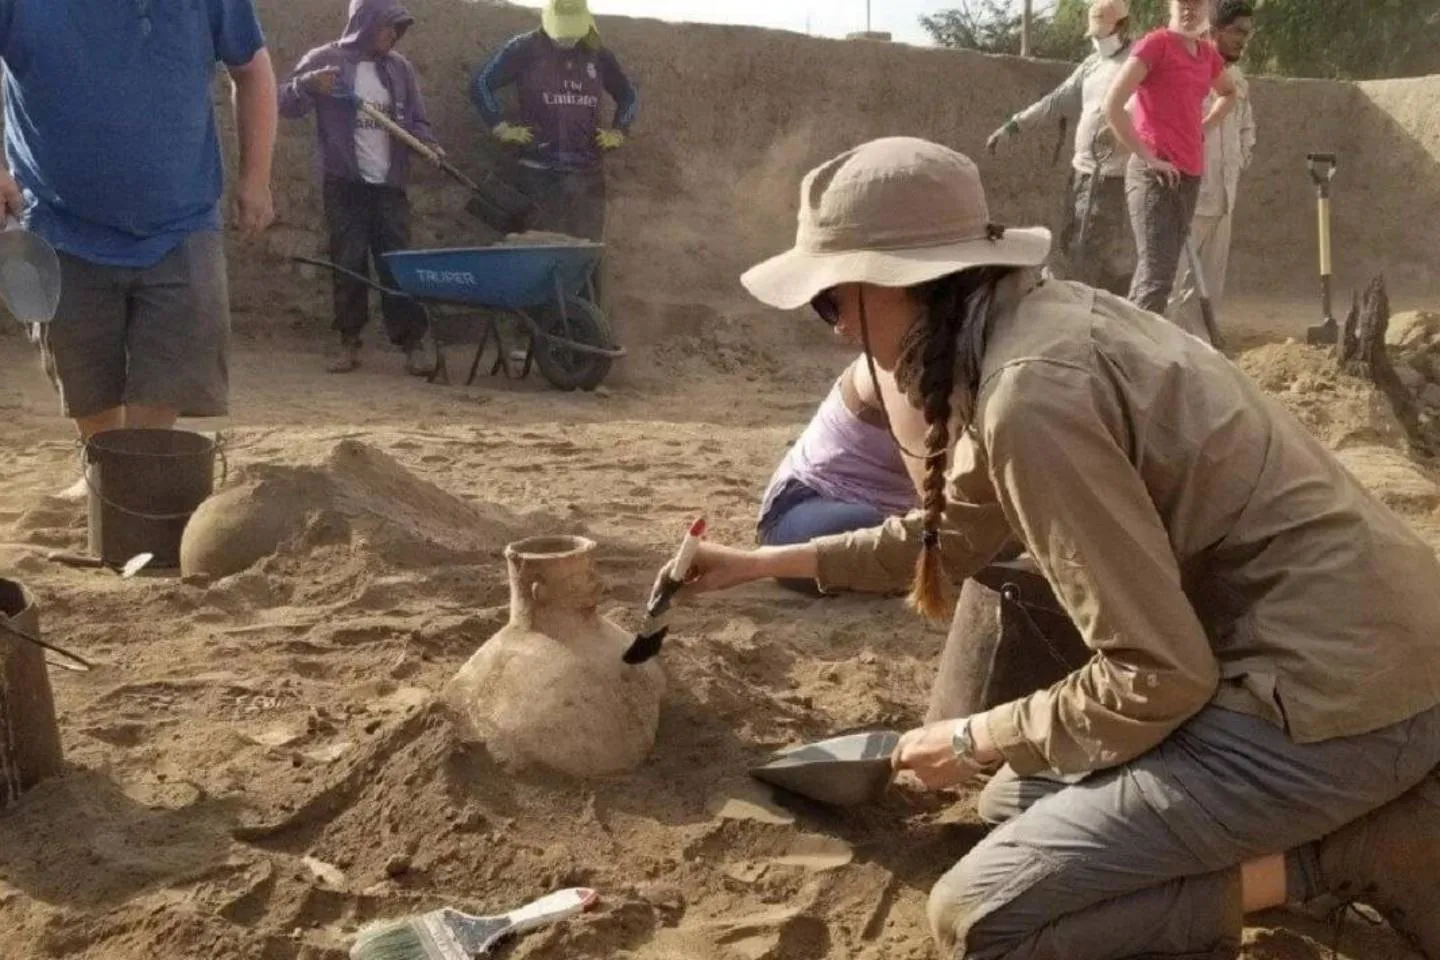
point(113, 157)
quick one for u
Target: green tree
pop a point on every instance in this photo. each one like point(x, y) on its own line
point(1339, 39)
point(993, 26)
point(1346, 39)
point(1057, 33)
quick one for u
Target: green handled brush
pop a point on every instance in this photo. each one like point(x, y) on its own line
point(451, 935)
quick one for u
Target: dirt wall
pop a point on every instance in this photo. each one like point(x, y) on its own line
point(732, 117)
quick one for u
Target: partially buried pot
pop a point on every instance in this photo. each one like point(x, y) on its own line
point(551, 688)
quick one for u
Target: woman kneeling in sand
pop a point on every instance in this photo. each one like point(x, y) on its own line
point(1258, 723)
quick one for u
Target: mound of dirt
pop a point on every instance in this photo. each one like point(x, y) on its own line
point(406, 521)
point(1341, 410)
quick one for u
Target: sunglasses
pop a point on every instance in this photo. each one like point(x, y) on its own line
point(826, 307)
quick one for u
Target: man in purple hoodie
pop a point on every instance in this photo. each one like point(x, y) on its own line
point(365, 172)
point(559, 73)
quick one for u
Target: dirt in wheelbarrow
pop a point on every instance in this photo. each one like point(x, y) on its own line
point(258, 767)
point(541, 238)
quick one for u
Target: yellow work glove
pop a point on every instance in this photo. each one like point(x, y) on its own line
point(610, 139)
point(514, 134)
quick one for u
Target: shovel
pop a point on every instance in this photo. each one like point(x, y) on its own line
point(132, 566)
point(29, 275)
point(1207, 308)
point(494, 201)
point(1322, 172)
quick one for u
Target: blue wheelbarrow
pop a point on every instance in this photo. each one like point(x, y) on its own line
point(549, 289)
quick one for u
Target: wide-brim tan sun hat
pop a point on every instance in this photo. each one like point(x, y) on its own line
point(895, 212)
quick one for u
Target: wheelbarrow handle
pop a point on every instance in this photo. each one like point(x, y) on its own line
point(358, 278)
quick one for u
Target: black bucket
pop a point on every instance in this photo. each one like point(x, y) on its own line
point(1010, 637)
point(144, 485)
point(503, 207)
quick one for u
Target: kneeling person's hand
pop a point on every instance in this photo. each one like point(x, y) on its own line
point(937, 755)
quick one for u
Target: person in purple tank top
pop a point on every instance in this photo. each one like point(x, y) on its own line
point(560, 74)
point(844, 473)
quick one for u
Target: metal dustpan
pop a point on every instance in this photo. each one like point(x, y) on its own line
point(29, 275)
point(842, 772)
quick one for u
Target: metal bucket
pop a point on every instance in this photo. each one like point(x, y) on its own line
point(29, 735)
point(144, 486)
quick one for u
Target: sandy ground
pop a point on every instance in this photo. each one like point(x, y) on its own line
point(258, 764)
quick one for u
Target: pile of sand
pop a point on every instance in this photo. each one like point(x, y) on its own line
point(1414, 343)
point(1341, 410)
point(358, 494)
point(1356, 420)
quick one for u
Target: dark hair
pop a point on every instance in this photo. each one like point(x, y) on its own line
point(1228, 11)
point(939, 370)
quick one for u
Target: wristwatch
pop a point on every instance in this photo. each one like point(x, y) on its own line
point(962, 741)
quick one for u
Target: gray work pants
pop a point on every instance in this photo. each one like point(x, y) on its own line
point(1096, 245)
point(1144, 860)
point(1160, 216)
point(571, 202)
point(367, 221)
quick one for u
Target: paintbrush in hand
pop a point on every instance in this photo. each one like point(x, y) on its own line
point(652, 634)
point(451, 935)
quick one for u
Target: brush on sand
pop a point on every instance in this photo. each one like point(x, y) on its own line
point(451, 935)
point(652, 633)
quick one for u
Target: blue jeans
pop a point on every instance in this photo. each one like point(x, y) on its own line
point(800, 515)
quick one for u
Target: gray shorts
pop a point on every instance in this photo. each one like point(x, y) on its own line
point(153, 336)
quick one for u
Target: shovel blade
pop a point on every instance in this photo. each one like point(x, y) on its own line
point(1326, 334)
point(135, 564)
point(842, 772)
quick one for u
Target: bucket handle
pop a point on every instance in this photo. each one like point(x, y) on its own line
point(139, 514)
point(1011, 594)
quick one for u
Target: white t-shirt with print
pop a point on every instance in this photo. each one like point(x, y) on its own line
point(372, 142)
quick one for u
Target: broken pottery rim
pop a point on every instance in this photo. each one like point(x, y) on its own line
point(549, 548)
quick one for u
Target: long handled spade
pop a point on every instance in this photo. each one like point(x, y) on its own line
point(1202, 289)
point(492, 200)
point(1322, 172)
point(1207, 307)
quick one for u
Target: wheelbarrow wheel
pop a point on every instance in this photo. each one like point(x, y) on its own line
point(568, 369)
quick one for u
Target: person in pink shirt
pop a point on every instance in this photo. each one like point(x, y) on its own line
point(1170, 74)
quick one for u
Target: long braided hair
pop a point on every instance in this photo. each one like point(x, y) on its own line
point(939, 370)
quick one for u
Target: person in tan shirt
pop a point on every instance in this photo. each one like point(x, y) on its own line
point(1259, 722)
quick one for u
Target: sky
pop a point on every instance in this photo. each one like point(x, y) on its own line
point(832, 18)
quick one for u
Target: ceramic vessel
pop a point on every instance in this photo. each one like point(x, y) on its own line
point(551, 688)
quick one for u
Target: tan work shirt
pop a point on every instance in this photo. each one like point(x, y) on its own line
point(1208, 548)
point(1081, 98)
